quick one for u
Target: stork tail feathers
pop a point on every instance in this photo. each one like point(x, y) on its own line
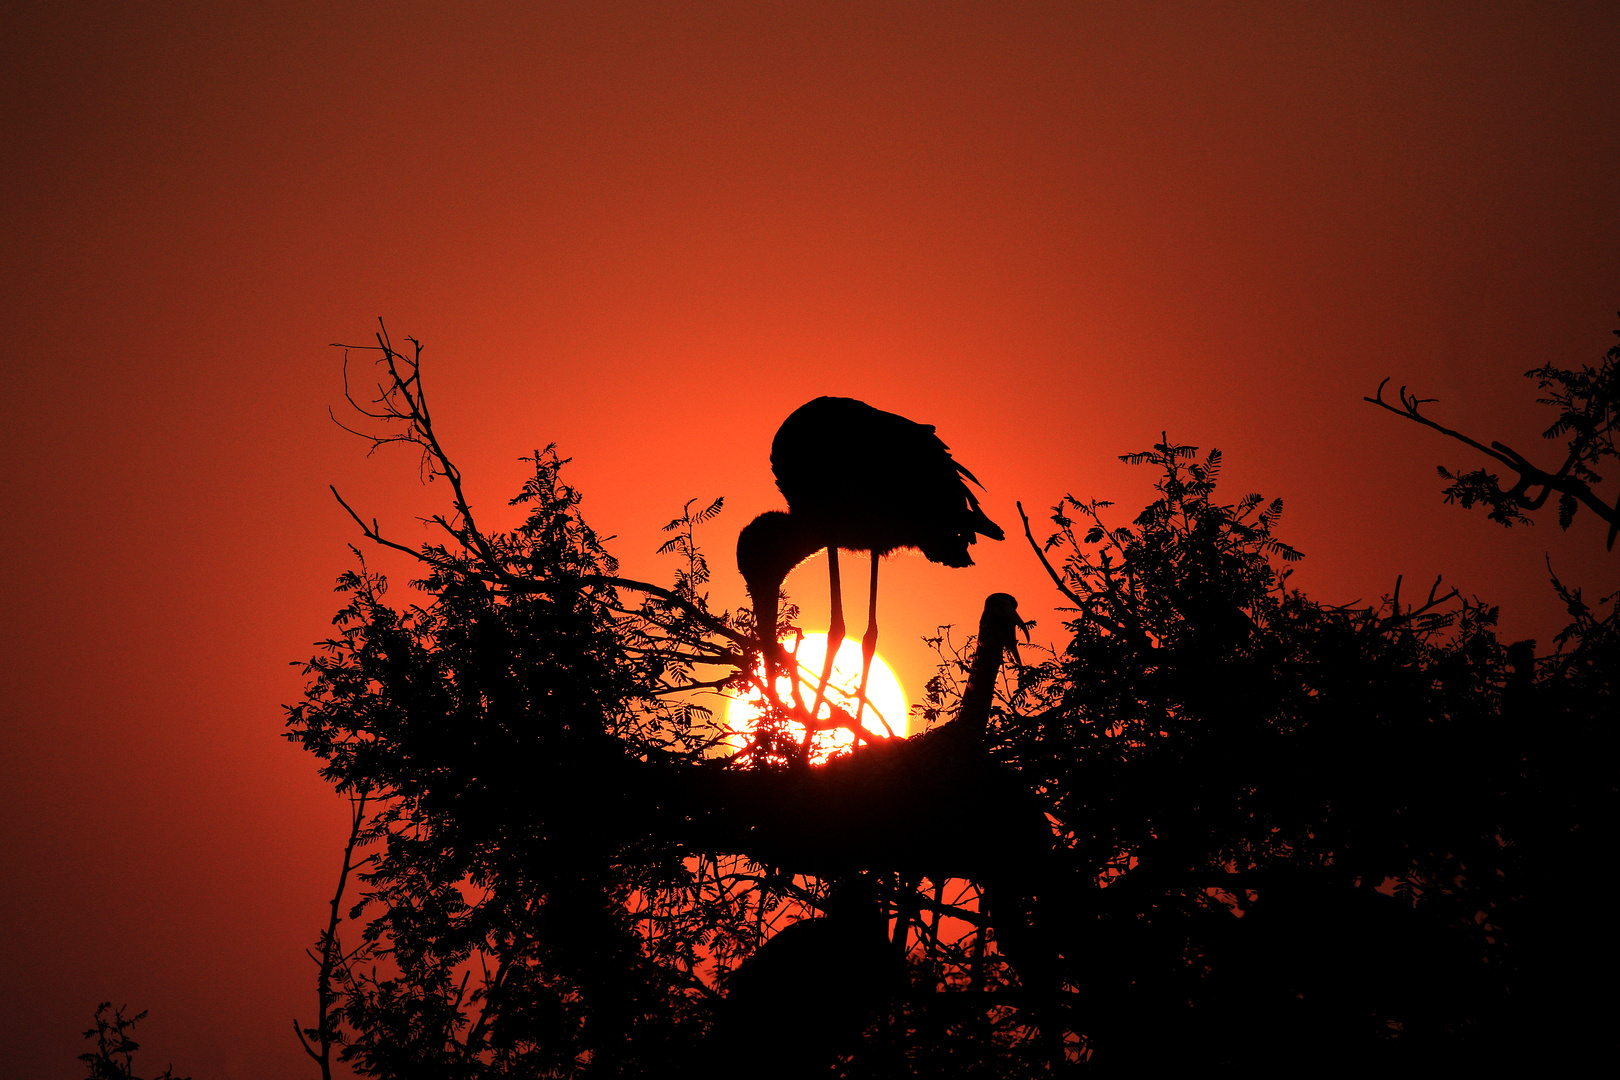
point(982, 524)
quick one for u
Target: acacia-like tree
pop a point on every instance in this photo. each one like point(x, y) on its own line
point(1224, 825)
point(1317, 834)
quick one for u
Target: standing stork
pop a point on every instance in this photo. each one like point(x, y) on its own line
point(859, 479)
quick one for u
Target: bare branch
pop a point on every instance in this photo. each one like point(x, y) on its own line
point(1041, 555)
point(370, 532)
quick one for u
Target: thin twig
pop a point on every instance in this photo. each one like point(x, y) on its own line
point(1041, 555)
point(332, 955)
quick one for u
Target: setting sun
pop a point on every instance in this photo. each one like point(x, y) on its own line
point(885, 713)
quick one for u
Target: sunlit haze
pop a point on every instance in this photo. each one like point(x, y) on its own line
point(885, 714)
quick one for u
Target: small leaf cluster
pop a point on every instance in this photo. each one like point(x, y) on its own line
point(114, 1055)
point(1588, 402)
point(1482, 487)
point(696, 571)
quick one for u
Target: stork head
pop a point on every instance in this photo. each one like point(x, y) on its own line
point(767, 549)
point(1000, 622)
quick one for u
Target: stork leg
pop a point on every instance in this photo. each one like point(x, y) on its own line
point(835, 638)
point(869, 648)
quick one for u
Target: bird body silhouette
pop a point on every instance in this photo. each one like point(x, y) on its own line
point(874, 481)
point(858, 479)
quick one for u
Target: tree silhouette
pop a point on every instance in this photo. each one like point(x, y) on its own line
point(1226, 825)
point(1284, 803)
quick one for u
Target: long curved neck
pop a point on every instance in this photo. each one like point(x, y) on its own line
point(974, 713)
point(765, 603)
point(768, 548)
point(995, 638)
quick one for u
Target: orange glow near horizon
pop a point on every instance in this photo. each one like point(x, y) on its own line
point(648, 233)
point(885, 712)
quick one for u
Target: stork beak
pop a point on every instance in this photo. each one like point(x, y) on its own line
point(1012, 643)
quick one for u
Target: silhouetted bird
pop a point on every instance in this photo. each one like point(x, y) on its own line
point(804, 997)
point(997, 636)
point(860, 479)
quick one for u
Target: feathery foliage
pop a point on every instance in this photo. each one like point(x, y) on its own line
point(1273, 804)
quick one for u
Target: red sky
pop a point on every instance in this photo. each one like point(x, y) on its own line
point(647, 234)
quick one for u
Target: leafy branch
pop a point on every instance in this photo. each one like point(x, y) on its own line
point(1588, 403)
point(114, 1055)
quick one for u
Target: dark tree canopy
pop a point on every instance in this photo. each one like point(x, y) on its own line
point(1326, 833)
point(1225, 825)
